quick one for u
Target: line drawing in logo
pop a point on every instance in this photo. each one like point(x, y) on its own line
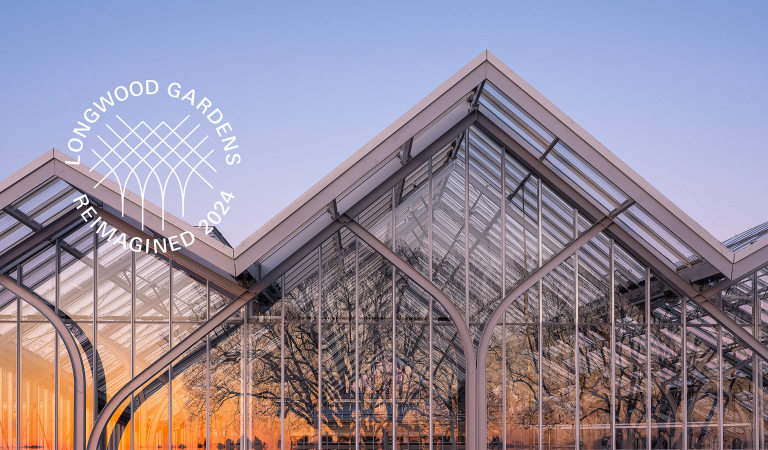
point(153, 157)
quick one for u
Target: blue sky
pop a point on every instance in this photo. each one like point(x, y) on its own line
point(676, 90)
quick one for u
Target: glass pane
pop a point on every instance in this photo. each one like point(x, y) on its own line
point(448, 384)
point(666, 387)
point(631, 353)
point(448, 227)
point(665, 303)
point(190, 295)
point(522, 249)
point(189, 381)
point(412, 223)
point(412, 365)
point(703, 405)
point(152, 287)
point(264, 385)
point(559, 395)
point(36, 414)
point(737, 302)
point(76, 278)
point(153, 341)
point(495, 389)
point(594, 289)
point(338, 340)
point(522, 408)
point(629, 288)
point(485, 284)
point(8, 384)
point(738, 394)
point(38, 275)
point(150, 417)
point(114, 277)
point(301, 360)
point(114, 347)
point(226, 401)
point(558, 301)
point(595, 386)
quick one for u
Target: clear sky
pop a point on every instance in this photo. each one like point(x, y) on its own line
point(676, 89)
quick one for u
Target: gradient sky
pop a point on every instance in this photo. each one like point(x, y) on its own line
point(678, 91)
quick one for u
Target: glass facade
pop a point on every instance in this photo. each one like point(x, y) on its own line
point(595, 346)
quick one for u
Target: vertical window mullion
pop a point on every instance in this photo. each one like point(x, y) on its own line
point(504, 291)
point(57, 279)
point(648, 406)
point(431, 326)
point(319, 423)
point(170, 345)
point(357, 343)
point(612, 281)
point(282, 363)
point(541, 322)
point(394, 325)
point(576, 336)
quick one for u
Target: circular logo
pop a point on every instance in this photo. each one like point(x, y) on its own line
point(167, 144)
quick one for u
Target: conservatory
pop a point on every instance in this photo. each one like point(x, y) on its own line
point(482, 275)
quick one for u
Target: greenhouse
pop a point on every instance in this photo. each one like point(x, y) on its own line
point(482, 275)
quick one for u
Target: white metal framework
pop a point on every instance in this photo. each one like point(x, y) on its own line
point(483, 274)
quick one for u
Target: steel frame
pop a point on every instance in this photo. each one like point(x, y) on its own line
point(78, 369)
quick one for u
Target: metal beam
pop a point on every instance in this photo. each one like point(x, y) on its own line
point(38, 240)
point(23, 218)
point(700, 298)
point(201, 332)
point(78, 370)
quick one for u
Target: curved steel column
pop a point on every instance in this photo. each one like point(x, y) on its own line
point(456, 316)
point(485, 340)
point(78, 370)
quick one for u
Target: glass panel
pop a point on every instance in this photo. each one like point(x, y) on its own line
point(522, 408)
point(301, 354)
point(375, 285)
point(36, 414)
point(495, 389)
point(152, 287)
point(522, 251)
point(525, 309)
point(557, 223)
point(150, 418)
point(114, 347)
point(666, 387)
point(225, 385)
point(448, 227)
point(629, 288)
point(9, 411)
point(190, 295)
point(594, 289)
point(631, 370)
point(703, 405)
point(264, 385)
point(118, 437)
point(76, 279)
point(153, 342)
point(762, 295)
point(114, 277)
point(737, 302)
point(448, 384)
point(738, 394)
point(665, 303)
point(559, 395)
point(377, 218)
point(595, 386)
point(412, 369)
point(558, 300)
point(412, 222)
point(38, 275)
point(338, 341)
point(485, 284)
point(189, 381)
point(8, 307)
point(66, 399)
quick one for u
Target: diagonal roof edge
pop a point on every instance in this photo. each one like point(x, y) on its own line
point(609, 156)
point(294, 219)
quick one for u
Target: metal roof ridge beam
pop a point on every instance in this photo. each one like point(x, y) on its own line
point(75, 359)
point(161, 363)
